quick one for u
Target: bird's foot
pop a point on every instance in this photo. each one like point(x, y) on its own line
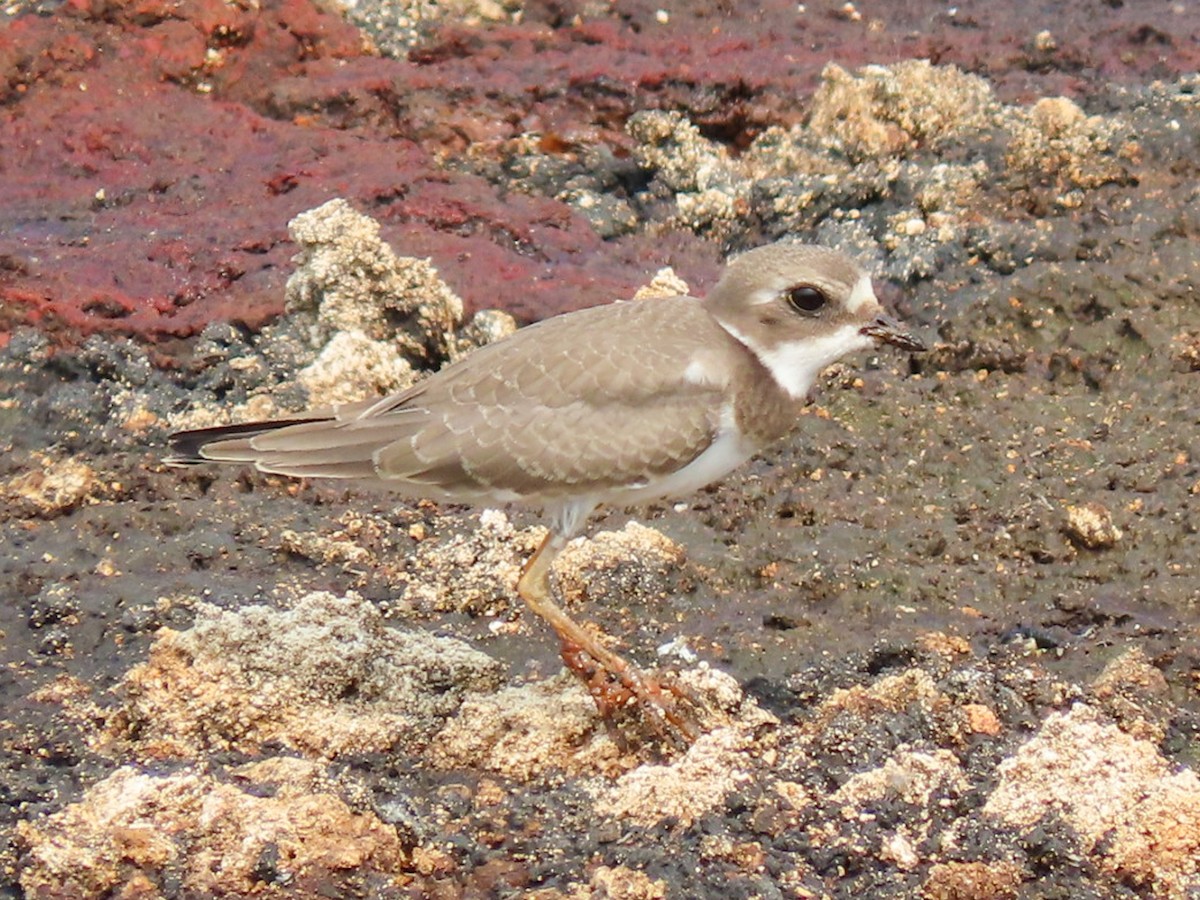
point(618, 687)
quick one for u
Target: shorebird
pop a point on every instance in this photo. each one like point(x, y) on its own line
point(618, 405)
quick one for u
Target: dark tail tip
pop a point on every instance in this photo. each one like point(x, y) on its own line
point(186, 448)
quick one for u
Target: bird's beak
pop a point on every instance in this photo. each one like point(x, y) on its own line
point(886, 330)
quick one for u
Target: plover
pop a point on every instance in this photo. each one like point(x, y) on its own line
point(616, 405)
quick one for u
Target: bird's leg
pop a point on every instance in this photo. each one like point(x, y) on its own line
point(604, 666)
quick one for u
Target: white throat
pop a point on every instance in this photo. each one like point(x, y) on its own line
point(795, 365)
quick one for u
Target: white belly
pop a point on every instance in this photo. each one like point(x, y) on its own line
point(723, 455)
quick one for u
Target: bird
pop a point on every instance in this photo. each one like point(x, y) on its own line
point(616, 405)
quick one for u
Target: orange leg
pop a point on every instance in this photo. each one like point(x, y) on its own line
point(612, 681)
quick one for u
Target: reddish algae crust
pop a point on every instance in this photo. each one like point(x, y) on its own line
point(137, 203)
point(151, 154)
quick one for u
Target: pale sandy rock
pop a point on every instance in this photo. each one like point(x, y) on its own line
point(609, 215)
point(722, 695)
point(374, 316)
point(718, 763)
point(709, 188)
point(948, 646)
point(130, 409)
point(525, 731)
point(999, 880)
point(362, 322)
point(363, 542)
point(77, 705)
point(899, 848)
point(887, 110)
point(52, 487)
point(892, 693)
point(325, 677)
point(801, 194)
point(950, 187)
point(748, 856)
point(665, 283)
point(912, 776)
point(350, 280)
point(486, 327)
point(624, 883)
point(1158, 843)
point(673, 148)
point(323, 549)
point(789, 153)
point(1091, 525)
point(796, 795)
point(476, 571)
point(353, 367)
point(552, 727)
point(699, 211)
point(207, 835)
point(689, 788)
point(879, 113)
point(634, 558)
point(1137, 815)
point(398, 26)
point(1055, 139)
point(1131, 670)
point(981, 719)
point(913, 692)
point(1185, 349)
point(260, 406)
point(1045, 42)
point(1137, 695)
point(65, 690)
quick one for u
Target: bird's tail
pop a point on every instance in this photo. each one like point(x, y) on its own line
point(225, 443)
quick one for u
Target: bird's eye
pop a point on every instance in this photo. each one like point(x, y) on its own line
point(805, 300)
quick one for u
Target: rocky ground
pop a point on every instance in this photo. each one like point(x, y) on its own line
point(947, 634)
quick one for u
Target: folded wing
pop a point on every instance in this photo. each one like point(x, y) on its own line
point(573, 405)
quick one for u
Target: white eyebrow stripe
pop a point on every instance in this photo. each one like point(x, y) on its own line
point(762, 296)
point(862, 295)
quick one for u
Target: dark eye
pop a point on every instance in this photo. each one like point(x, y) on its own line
point(805, 300)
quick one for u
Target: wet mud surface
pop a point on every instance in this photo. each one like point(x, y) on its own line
point(958, 607)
